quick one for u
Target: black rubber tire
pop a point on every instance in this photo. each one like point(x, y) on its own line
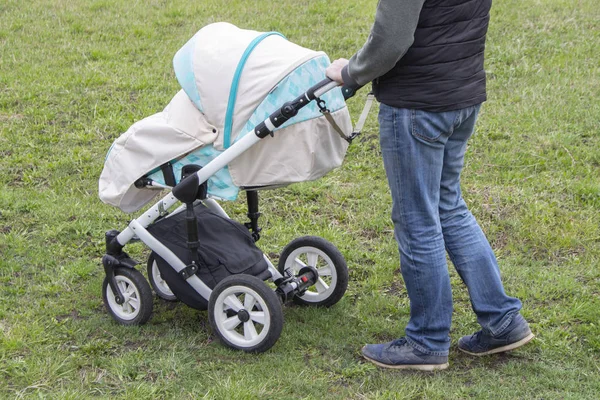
point(142, 292)
point(271, 302)
point(339, 265)
point(152, 278)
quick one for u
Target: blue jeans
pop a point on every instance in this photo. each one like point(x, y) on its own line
point(423, 154)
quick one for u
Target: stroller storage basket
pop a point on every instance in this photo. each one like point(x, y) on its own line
point(226, 248)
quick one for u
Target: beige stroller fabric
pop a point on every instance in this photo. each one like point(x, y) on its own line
point(298, 153)
point(150, 143)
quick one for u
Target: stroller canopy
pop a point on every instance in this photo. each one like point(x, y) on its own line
point(232, 79)
point(226, 72)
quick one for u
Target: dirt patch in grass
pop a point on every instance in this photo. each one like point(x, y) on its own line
point(10, 117)
point(397, 287)
point(370, 233)
point(73, 315)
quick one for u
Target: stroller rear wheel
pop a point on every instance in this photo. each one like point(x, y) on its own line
point(245, 313)
point(316, 252)
point(160, 286)
point(137, 305)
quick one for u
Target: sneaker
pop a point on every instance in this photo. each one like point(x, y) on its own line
point(516, 334)
point(398, 354)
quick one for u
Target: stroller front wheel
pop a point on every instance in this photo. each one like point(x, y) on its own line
point(137, 305)
point(245, 313)
point(316, 252)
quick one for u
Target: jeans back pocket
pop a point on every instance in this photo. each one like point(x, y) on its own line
point(432, 126)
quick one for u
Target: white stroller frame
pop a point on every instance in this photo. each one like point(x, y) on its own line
point(126, 294)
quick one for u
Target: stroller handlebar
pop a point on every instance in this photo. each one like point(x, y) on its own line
point(321, 88)
point(291, 108)
point(326, 85)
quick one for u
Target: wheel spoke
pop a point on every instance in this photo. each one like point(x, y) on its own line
point(157, 276)
point(313, 258)
point(233, 302)
point(130, 290)
point(231, 323)
point(258, 317)
point(321, 286)
point(325, 271)
point(122, 286)
point(299, 264)
point(249, 331)
point(134, 303)
point(249, 302)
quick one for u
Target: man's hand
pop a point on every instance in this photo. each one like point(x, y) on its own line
point(334, 71)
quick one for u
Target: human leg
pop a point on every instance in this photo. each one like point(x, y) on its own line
point(473, 257)
point(466, 243)
point(412, 145)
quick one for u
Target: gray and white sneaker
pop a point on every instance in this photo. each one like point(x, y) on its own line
point(516, 334)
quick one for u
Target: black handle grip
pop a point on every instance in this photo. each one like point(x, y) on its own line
point(311, 92)
point(347, 91)
point(319, 85)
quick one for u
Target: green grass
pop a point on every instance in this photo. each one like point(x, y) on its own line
point(74, 75)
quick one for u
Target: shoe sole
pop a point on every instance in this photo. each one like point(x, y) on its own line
point(502, 349)
point(417, 367)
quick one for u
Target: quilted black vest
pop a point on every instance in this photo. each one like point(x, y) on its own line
point(443, 69)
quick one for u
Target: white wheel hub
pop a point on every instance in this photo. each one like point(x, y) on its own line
point(314, 257)
point(242, 316)
point(130, 307)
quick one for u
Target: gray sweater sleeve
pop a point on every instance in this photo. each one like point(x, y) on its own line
point(391, 36)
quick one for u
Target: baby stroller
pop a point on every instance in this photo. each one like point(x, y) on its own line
point(238, 88)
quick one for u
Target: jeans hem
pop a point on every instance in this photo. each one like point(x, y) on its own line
point(508, 318)
point(423, 350)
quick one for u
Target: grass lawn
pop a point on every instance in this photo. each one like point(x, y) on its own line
point(76, 74)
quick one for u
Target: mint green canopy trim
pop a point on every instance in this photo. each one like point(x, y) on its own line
point(183, 64)
point(235, 84)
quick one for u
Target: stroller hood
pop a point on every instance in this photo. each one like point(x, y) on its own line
point(226, 72)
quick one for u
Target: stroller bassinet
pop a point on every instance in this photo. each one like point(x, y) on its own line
point(232, 80)
point(238, 87)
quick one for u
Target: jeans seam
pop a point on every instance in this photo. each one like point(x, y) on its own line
point(403, 214)
point(449, 252)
